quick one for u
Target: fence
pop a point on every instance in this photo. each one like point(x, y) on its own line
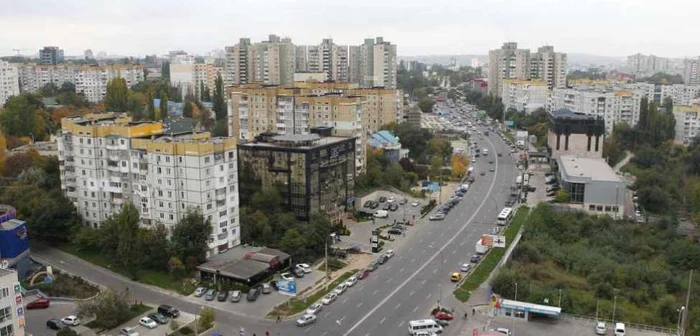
point(643, 327)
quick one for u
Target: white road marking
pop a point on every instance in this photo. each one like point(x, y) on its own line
point(442, 234)
point(383, 319)
point(324, 333)
point(397, 306)
point(421, 240)
point(422, 252)
point(343, 302)
point(388, 267)
point(341, 319)
point(435, 271)
point(414, 309)
point(402, 322)
point(375, 292)
point(428, 297)
point(401, 270)
point(361, 287)
point(462, 243)
point(454, 251)
point(410, 248)
point(413, 260)
point(360, 304)
point(416, 272)
point(326, 314)
point(411, 294)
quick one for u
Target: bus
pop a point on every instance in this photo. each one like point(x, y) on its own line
point(423, 327)
point(505, 216)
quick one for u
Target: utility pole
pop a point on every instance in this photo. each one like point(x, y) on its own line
point(596, 309)
point(559, 297)
point(327, 268)
point(684, 320)
point(516, 292)
point(614, 308)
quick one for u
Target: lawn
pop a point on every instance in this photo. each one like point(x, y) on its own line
point(493, 257)
point(149, 277)
point(64, 285)
point(135, 310)
point(296, 305)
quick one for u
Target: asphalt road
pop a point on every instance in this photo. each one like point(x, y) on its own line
point(403, 289)
point(409, 285)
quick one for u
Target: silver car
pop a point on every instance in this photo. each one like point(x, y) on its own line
point(236, 296)
point(306, 320)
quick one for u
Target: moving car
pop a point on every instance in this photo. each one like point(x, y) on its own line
point(128, 332)
point(600, 328)
point(305, 267)
point(210, 295)
point(389, 253)
point(415, 203)
point(159, 318)
point(55, 324)
point(314, 309)
point(236, 296)
point(492, 169)
point(306, 320)
point(444, 316)
point(503, 331)
point(395, 231)
point(455, 277)
point(200, 291)
point(253, 294)
point(147, 322)
point(437, 216)
point(71, 320)
point(465, 267)
point(329, 298)
point(223, 295)
point(168, 311)
point(351, 281)
point(39, 304)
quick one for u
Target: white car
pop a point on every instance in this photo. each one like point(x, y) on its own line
point(286, 276)
point(306, 320)
point(314, 309)
point(148, 323)
point(600, 328)
point(415, 203)
point(305, 267)
point(390, 254)
point(340, 289)
point(391, 199)
point(71, 320)
point(200, 291)
point(465, 267)
point(351, 281)
point(330, 297)
point(128, 332)
point(503, 331)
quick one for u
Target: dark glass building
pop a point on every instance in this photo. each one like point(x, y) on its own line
point(311, 171)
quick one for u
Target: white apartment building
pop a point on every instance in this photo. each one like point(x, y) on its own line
point(106, 160)
point(682, 95)
point(9, 81)
point(525, 95)
point(691, 71)
point(687, 123)
point(88, 79)
point(646, 65)
point(615, 106)
point(509, 62)
point(374, 64)
point(12, 318)
point(549, 66)
point(271, 62)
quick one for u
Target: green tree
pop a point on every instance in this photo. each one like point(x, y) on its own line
point(14, 118)
point(117, 95)
point(218, 101)
point(220, 128)
point(135, 104)
point(154, 243)
point(292, 242)
point(110, 309)
point(187, 109)
point(561, 196)
point(165, 70)
point(176, 267)
point(151, 106)
point(426, 104)
point(206, 319)
point(190, 236)
point(125, 226)
point(163, 105)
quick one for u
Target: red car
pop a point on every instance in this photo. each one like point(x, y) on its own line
point(39, 304)
point(362, 274)
point(444, 316)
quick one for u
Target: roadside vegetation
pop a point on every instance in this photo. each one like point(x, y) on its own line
point(64, 285)
point(110, 309)
point(644, 267)
point(482, 271)
point(297, 305)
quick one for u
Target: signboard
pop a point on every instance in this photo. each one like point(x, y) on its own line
point(510, 123)
point(375, 242)
point(287, 287)
point(498, 241)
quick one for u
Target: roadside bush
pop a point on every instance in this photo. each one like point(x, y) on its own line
point(426, 208)
point(206, 319)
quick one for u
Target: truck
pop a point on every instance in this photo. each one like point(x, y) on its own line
point(481, 248)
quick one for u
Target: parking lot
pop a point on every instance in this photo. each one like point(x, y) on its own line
point(36, 318)
point(557, 327)
point(160, 330)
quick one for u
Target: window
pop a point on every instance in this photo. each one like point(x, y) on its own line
point(159, 170)
point(162, 215)
point(222, 213)
point(171, 216)
point(4, 292)
point(608, 208)
point(599, 208)
point(223, 224)
point(591, 207)
point(167, 159)
point(209, 206)
point(207, 159)
point(5, 314)
point(6, 331)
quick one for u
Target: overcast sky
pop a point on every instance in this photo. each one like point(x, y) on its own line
point(427, 27)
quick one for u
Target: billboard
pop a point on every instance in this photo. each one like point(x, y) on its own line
point(510, 123)
point(287, 287)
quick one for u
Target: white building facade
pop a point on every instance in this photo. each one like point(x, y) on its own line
point(106, 161)
point(12, 310)
point(525, 95)
point(614, 106)
point(9, 81)
point(687, 123)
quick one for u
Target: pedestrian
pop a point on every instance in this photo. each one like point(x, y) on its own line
point(466, 314)
point(278, 318)
point(267, 333)
point(473, 311)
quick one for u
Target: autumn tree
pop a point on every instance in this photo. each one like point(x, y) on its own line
point(163, 105)
point(459, 165)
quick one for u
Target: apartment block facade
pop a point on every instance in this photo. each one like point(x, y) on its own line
point(614, 106)
point(509, 62)
point(525, 95)
point(90, 80)
point(374, 64)
point(9, 81)
point(12, 310)
point(107, 159)
point(646, 65)
point(691, 71)
point(687, 123)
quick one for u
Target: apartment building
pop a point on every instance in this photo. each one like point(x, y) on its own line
point(691, 73)
point(107, 159)
point(12, 318)
point(205, 75)
point(9, 81)
point(687, 123)
point(271, 62)
point(646, 65)
point(374, 63)
point(509, 62)
point(684, 95)
point(614, 106)
point(525, 95)
point(51, 56)
point(91, 80)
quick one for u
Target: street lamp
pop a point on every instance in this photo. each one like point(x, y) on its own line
point(680, 316)
point(442, 261)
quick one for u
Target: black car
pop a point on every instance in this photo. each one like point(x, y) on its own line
point(394, 207)
point(273, 283)
point(159, 318)
point(55, 324)
point(297, 272)
point(386, 206)
point(531, 188)
point(374, 205)
point(382, 199)
point(368, 204)
point(395, 231)
point(253, 294)
point(223, 295)
point(168, 311)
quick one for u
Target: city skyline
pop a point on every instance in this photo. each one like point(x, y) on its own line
point(135, 29)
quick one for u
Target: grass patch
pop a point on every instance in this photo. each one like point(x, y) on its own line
point(149, 277)
point(64, 285)
point(493, 257)
point(135, 310)
point(297, 305)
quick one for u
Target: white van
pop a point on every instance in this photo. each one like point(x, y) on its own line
point(381, 214)
point(619, 329)
point(424, 326)
point(486, 151)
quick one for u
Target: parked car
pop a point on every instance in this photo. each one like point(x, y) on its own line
point(391, 199)
point(475, 258)
point(159, 318)
point(39, 304)
point(71, 320)
point(286, 276)
point(314, 309)
point(389, 253)
point(200, 291)
point(415, 203)
point(437, 216)
point(128, 332)
point(236, 296)
point(503, 331)
point(600, 328)
point(394, 207)
point(274, 285)
point(340, 289)
point(305, 267)
point(55, 324)
point(465, 267)
point(444, 316)
point(148, 323)
point(386, 206)
point(211, 294)
point(306, 320)
point(168, 311)
point(368, 204)
point(382, 199)
point(329, 298)
point(362, 274)
point(403, 201)
point(381, 214)
point(351, 281)
point(373, 265)
point(253, 294)
point(455, 276)
point(492, 169)
point(298, 273)
point(223, 295)
point(374, 205)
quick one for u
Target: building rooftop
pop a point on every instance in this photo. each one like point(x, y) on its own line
point(307, 141)
point(595, 169)
point(4, 272)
